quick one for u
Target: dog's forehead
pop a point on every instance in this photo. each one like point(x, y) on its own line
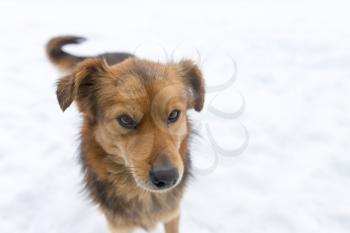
point(142, 82)
point(145, 77)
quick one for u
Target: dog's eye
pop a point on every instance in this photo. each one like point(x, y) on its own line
point(173, 116)
point(126, 121)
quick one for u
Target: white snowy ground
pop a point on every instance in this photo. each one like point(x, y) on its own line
point(293, 60)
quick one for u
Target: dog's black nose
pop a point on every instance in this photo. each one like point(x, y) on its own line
point(164, 177)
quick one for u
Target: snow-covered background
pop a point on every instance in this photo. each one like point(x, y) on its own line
point(293, 60)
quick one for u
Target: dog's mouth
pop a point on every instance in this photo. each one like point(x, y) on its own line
point(155, 189)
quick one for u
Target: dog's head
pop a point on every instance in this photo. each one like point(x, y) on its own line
point(137, 110)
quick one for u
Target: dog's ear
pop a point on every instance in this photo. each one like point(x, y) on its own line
point(81, 84)
point(194, 80)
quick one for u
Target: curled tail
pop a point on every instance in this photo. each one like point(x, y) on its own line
point(66, 61)
point(58, 56)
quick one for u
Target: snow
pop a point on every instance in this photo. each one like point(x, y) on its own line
point(293, 68)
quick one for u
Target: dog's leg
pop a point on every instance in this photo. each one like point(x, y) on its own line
point(121, 230)
point(173, 225)
point(114, 229)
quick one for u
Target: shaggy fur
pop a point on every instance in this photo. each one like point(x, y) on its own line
point(117, 161)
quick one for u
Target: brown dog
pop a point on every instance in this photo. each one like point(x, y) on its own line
point(135, 134)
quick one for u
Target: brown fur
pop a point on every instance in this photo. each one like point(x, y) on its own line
point(116, 161)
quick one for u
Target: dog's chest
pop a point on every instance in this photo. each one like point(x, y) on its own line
point(145, 212)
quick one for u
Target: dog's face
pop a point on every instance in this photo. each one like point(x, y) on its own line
point(138, 112)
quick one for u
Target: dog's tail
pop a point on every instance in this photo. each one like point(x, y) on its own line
point(58, 56)
point(66, 61)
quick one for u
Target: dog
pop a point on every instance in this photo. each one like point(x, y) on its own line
point(135, 134)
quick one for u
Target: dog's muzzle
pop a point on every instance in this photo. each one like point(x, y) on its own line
point(164, 177)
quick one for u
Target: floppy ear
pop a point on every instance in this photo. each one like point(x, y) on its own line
point(194, 79)
point(81, 84)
